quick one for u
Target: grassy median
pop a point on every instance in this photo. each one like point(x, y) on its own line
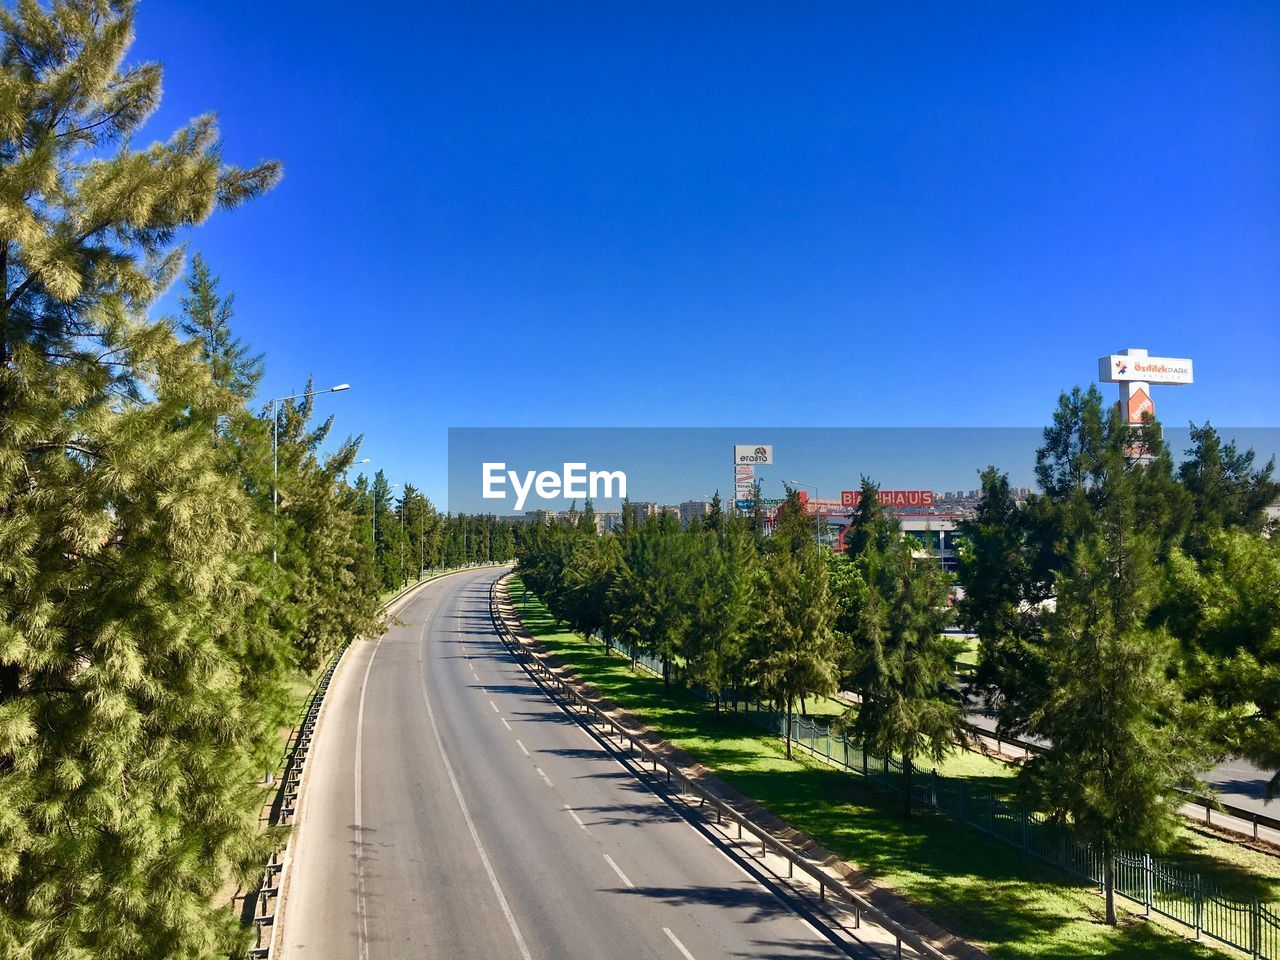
point(982, 890)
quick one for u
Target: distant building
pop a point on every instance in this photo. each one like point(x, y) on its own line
point(642, 510)
point(693, 512)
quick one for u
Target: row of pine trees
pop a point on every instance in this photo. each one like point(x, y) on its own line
point(1128, 614)
point(155, 611)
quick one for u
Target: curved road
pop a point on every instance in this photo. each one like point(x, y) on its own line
point(452, 810)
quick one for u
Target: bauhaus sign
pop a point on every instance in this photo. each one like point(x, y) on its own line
point(890, 498)
point(1119, 368)
point(753, 453)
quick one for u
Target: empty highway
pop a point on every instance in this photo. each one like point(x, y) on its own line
point(453, 810)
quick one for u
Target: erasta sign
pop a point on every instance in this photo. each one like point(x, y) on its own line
point(890, 498)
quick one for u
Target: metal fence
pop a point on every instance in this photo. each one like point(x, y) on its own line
point(1251, 926)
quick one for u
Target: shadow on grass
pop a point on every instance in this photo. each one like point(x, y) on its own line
point(980, 889)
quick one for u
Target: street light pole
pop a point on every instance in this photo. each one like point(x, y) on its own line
point(275, 455)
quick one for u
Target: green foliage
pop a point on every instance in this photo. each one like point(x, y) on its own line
point(130, 737)
point(1004, 587)
point(723, 567)
point(871, 527)
point(793, 649)
point(206, 320)
point(704, 600)
point(891, 615)
point(1101, 607)
point(1225, 488)
point(147, 640)
point(1225, 609)
point(1120, 738)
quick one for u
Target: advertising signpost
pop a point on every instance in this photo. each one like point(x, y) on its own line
point(746, 457)
point(1135, 372)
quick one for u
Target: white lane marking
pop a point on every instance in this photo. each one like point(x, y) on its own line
point(362, 915)
point(504, 722)
point(576, 819)
point(466, 815)
point(545, 778)
point(618, 870)
point(684, 951)
point(523, 747)
point(495, 708)
point(638, 773)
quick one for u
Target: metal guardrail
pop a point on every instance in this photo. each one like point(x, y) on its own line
point(271, 884)
point(629, 742)
point(268, 896)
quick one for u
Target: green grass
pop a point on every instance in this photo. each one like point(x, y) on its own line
point(982, 890)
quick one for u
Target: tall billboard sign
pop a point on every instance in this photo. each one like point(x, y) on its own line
point(1135, 372)
point(746, 457)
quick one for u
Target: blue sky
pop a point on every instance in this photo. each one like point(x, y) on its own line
point(717, 214)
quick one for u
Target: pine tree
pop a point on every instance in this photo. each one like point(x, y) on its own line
point(126, 742)
point(722, 572)
point(870, 525)
point(714, 519)
point(1120, 737)
point(206, 319)
point(1001, 602)
point(1225, 488)
point(1224, 608)
point(793, 530)
point(892, 617)
point(793, 646)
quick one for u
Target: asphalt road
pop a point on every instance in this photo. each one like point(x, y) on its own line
point(452, 810)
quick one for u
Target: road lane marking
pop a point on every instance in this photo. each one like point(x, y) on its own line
point(545, 778)
point(523, 747)
point(362, 914)
point(618, 870)
point(466, 815)
point(495, 708)
point(576, 819)
point(677, 802)
point(504, 722)
point(684, 951)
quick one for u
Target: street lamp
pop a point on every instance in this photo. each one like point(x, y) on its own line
point(817, 511)
point(275, 452)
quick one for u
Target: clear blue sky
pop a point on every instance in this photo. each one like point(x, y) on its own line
point(702, 214)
